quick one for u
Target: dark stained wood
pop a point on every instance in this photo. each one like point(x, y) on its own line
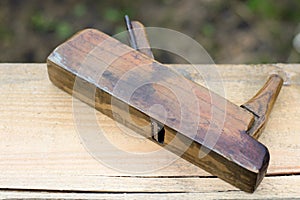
point(141, 38)
point(262, 103)
point(137, 33)
point(98, 63)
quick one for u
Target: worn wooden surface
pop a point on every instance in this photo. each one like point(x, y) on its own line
point(42, 156)
point(261, 104)
point(110, 76)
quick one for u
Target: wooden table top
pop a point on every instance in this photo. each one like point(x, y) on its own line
point(42, 156)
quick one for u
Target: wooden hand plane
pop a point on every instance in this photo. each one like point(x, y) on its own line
point(100, 64)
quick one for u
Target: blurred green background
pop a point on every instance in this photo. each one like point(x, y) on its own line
point(248, 31)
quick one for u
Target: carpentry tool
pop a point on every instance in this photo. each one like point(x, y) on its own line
point(260, 105)
point(157, 129)
point(99, 64)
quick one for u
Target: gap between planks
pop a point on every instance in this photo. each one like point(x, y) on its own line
point(274, 188)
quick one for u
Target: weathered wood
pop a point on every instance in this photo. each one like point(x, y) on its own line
point(141, 38)
point(140, 43)
point(40, 148)
point(236, 157)
point(262, 103)
point(156, 188)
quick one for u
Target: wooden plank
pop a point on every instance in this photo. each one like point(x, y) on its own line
point(183, 188)
point(39, 143)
